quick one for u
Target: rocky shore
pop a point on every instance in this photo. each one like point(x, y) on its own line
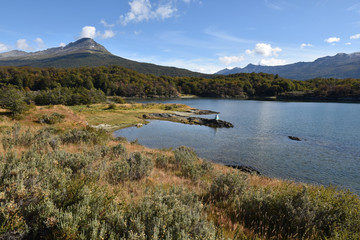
point(190, 120)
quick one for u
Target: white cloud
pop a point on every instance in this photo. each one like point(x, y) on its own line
point(272, 62)
point(264, 49)
point(62, 44)
point(348, 43)
point(107, 25)
point(107, 34)
point(3, 47)
point(187, 1)
point(40, 43)
point(231, 59)
point(141, 10)
point(356, 36)
point(332, 40)
point(23, 45)
point(88, 32)
point(304, 45)
point(164, 12)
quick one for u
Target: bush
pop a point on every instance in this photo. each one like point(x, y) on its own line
point(52, 119)
point(85, 135)
point(172, 214)
point(118, 171)
point(188, 163)
point(13, 100)
point(135, 167)
point(163, 162)
point(111, 106)
point(121, 139)
point(140, 166)
point(226, 188)
point(119, 100)
point(118, 151)
point(74, 161)
point(302, 213)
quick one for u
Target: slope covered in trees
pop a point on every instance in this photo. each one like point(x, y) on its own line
point(120, 81)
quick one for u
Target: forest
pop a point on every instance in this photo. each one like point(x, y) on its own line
point(90, 84)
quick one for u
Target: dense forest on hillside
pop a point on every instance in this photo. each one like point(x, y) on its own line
point(123, 82)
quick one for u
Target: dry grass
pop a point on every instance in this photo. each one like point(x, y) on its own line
point(133, 191)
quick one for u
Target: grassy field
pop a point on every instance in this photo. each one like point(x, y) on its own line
point(61, 179)
point(123, 115)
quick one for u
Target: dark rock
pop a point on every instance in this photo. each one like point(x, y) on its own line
point(294, 138)
point(246, 169)
point(189, 120)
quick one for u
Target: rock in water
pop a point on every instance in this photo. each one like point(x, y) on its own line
point(294, 138)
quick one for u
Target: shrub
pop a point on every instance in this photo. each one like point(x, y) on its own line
point(135, 167)
point(52, 119)
point(317, 213)
point(111, 106)
point(74, 161)
point(121, 139)
point(226, 188)
point(188, 163)
point(119, 100)
point(118, 151)
point(85, 135)
point(163, 162)
point(184, 155)
point(172, 214)
point(140, 166)
point(13, 100)
point(118, 171)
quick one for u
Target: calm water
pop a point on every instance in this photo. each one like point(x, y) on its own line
point(329, 154)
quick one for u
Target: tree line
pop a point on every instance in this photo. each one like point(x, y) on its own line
point(82, 83)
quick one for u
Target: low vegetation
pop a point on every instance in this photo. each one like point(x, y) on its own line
point(72, 181)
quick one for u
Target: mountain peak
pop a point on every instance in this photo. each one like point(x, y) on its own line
point(86, 44)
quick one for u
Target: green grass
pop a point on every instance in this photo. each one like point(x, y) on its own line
point(123, 115)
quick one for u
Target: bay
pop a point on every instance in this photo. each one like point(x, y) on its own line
point(329, 153)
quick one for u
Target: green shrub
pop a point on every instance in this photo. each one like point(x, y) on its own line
point(187, 162)
point(121, 139)
point(140, 166)
point(319, 213)
point(52, 119)
point(111, 106)
point(172, 214)
point(13, 100)
point(74, 161)
point(86, 135)
point(118, 171)
point(163, 161)
point(226, 188)
point(119, 100)
point(135, 167)
point(118, 151)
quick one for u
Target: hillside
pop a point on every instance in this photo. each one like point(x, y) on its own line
point(340, 66)
point(86, 52)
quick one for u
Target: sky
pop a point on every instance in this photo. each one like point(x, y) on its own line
point(199, 35)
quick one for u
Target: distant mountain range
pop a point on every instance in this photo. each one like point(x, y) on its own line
point(86, 52)
point(341, 66)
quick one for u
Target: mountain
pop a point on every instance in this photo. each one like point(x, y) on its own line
point(341, 66)
point(86, 52)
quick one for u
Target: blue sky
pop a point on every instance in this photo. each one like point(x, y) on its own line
point(200, 35)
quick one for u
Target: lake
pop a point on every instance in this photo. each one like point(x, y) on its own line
point(329, 153)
